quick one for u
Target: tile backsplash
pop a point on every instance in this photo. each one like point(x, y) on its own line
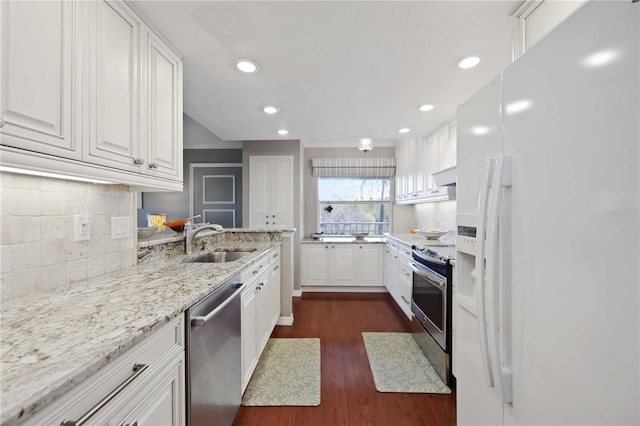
point(441, 215)
point(38, 251)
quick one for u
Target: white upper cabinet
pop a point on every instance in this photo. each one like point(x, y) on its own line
point(114, 86)
point(37, 77)
point(534, 19)
point(418, 159)
point(162, 108)
point(89, 90)
point(271, 192)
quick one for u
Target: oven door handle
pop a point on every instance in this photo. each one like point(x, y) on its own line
point(428, 275)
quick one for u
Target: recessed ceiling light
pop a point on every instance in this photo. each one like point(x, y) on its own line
point(247, 65)
point(270, 109)
point(425, 107)
point(283, 132)
point(404, 130)
point(468, 62)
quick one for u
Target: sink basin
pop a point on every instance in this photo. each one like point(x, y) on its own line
point(220, 257)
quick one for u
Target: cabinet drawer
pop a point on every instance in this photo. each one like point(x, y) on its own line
point(404, 297)
point(153, 351)
point(256, 268)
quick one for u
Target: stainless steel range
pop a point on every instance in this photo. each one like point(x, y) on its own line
point(431, 305)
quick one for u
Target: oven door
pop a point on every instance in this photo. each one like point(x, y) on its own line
point(429, 302)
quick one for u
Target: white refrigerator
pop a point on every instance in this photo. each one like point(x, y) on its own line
point(548, 325)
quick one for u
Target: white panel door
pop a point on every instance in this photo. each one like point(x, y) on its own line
point(281, 192)
point(114, 87)
point(259, 191)
point(343, 264)
point(163, 109)
point(370, 264)
point(432, 161)
point(38, 74)
point(315, 264)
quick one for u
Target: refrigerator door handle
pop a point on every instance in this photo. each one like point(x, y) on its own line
point(479, 271)
point(501, 179)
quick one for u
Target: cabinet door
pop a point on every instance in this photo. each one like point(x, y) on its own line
point(343, 264)
point(422, 177)
point(165, 401)
point(275, 283)
point(315, 264)
point(370, 265)
point(391, 270)
point(432, 161)
point(248, 321)
point(38, 74)
point(401, 170)
point(263, 312)
point(280, 192)
point(114, 86)
point(163, 109)
point(410, 166)
point(259, 192)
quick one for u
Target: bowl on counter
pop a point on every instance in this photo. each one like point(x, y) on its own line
point(360, 235)
point(431, 234)
point(176, 225)
point(316, 235)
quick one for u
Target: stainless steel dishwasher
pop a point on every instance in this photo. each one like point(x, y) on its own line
point(214, 375)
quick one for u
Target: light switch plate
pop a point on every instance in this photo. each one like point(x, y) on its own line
point(120, 227)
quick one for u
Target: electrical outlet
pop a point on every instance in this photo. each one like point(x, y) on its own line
point(81, 228)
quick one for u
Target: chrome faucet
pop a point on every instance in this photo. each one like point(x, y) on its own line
point(190, 233)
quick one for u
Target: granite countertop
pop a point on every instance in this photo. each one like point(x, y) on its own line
point(345, 240)
point(54, 340)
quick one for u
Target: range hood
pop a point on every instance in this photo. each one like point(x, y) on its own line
point(445, 177)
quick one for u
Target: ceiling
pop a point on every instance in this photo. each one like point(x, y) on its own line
point(338, 70)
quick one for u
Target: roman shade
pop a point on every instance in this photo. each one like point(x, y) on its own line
point(354, 167)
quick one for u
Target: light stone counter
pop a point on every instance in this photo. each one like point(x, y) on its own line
point(53, 341)
point(345, 240)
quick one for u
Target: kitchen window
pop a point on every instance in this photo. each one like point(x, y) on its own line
point(348, 205)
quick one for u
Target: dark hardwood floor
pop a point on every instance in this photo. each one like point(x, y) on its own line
point(348, 395)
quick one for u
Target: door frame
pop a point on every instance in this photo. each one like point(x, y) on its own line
point(193, 166)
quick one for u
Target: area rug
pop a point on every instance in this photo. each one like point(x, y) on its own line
point(288, 374)
point(398, 365)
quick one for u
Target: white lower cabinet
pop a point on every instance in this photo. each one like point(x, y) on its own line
point(342, 265)
point(151, 376)
point(260, 309)
point(399, 275)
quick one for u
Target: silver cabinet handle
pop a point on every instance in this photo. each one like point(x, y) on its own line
point(202, 320)
point(276, 255)
point(258, 270)
point(153, 165)
point(138, 161)
point(405, 299)
point(138, 369)
point(276, 268)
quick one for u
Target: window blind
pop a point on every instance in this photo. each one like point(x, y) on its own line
point(354, 167)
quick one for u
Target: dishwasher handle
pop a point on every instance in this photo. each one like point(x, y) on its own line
point(199, 321)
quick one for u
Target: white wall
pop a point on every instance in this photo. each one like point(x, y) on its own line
point(36, 233)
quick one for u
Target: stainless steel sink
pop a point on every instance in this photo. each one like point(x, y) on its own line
point(220, 256)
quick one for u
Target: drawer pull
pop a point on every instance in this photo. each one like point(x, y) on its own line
point(258, 270)
point(138, 369)
point(276, 255)
point(405, 300)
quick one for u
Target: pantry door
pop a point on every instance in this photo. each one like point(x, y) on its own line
point(216, 193)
